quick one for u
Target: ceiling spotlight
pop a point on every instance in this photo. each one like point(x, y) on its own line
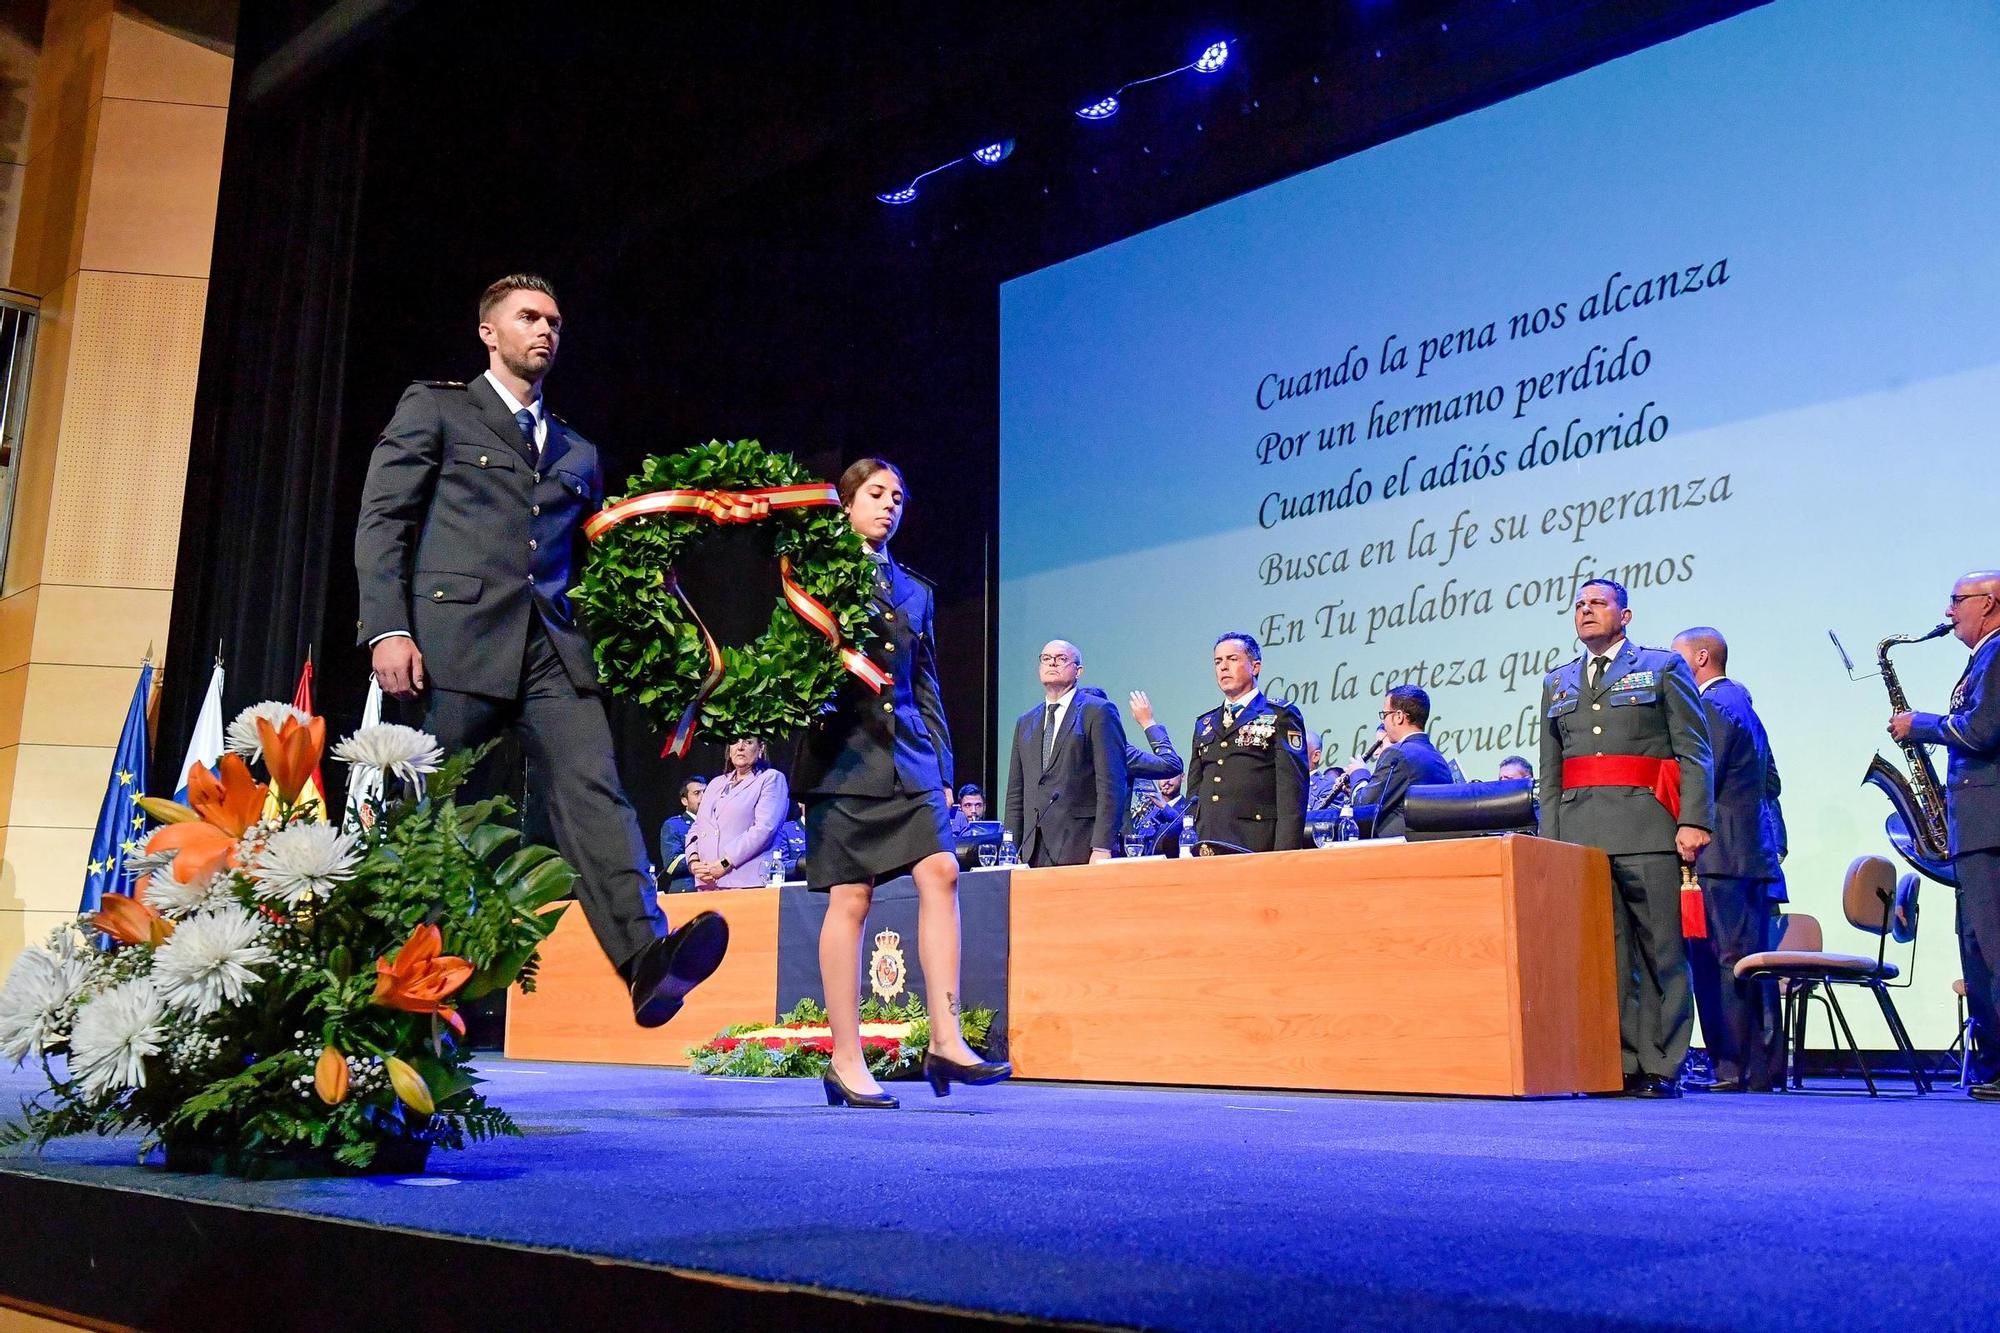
point(992, 154)
point(902, 196)
point(1208, 62)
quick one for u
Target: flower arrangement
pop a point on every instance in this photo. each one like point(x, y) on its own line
point(799, 1044)
point(278, 994)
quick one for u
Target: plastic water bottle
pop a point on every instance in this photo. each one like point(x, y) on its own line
point(1008, 856)
point(1346, 830)
point(1188, 838)
point(777, 879)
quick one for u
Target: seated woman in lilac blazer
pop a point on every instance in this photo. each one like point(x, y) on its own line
point(735, 832)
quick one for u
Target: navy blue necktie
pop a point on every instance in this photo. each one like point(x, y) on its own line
point(526, 421)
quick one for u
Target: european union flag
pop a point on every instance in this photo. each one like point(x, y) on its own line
point(120, 821)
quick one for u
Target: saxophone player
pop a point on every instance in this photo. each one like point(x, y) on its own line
point(1970, 733)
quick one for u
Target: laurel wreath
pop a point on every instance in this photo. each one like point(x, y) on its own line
point(650, 643)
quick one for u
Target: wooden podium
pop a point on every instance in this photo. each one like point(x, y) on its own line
point(1479, 965)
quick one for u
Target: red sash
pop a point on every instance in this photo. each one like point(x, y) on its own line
point(1661, 776)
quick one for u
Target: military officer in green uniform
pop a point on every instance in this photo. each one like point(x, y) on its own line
point(1626, 767)
point(1247, 781)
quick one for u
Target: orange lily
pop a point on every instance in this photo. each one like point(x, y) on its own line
point(130, 921)
point(232, 802)
point(420, 978)
point(292, 753)
point(203, 849)
point(409, 1085)
point(330, 1077)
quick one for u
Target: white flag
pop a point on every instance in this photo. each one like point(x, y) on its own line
point(364, 784)
point(205, 746)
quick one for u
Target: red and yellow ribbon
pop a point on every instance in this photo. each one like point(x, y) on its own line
point(739, 507)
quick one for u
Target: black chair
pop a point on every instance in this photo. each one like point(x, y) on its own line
point(1469, 809)
point(1876, 903)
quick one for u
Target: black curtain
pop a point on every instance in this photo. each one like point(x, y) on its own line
point(259, 542)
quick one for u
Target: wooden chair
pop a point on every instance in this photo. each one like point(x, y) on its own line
point(1874, 902)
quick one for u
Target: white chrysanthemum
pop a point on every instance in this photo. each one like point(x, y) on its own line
point(208, 961)
point(114, 1034)
point(304, 859)
point(243, 738)
point(41, 987)
point(390, 749)
point(174, 900)
point(138, 865)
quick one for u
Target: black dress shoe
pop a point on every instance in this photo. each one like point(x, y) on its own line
point(942, 1073)
point(1657, 1088)
point(668, 968)
point(1985, 1092)
point(837, 1094)
point(1634, 1082)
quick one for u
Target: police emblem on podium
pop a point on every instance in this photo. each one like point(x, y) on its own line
point(886, 969)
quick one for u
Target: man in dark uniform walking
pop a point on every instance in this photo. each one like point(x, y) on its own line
point(1739, 872)
point(466, 550)
point(1626, 767)
point(1970, 733)
point(1247, 779)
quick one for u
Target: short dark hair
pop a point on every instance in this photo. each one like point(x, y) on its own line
point(969, 789)
point(1516, 761)
point(1412, 703)
point(859, 471)
point(514, 282)
point(692, 782)
point(1705, 636)
point(1250, 648)
point(1617, 590)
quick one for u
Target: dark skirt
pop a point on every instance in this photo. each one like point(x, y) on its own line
point(868, 839)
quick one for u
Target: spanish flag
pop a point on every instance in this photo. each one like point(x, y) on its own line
point(312, 797)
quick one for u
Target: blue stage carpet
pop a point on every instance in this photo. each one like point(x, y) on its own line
point(1222, 1210)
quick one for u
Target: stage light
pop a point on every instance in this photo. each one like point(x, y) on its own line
point(994, 153)
point(991, 155)
point(902, 196)
point(1208, 62)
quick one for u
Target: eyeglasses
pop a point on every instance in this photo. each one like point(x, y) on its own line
point(1054, 659)
point(1958, 597)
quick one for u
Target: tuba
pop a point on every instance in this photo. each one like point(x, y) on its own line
point(1917, 828)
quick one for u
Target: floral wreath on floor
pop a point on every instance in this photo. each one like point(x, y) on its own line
point(800, 1044)
point(651, 644)
point(277, 995)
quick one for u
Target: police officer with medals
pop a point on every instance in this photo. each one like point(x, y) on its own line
point(1247, 778)
point(1626, 767)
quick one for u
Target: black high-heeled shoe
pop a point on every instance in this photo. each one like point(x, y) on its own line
point(942, 1073)
point(838, 1094)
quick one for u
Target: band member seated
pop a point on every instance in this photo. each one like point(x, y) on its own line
point(1626, 767)
point(1247, 777)
point(1516, 769)
point(1970, 733)
point(971, 808)
point(674, 875)
point(1409, 758)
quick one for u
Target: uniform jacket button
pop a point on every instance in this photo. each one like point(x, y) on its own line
point(888, 708)
point(536, 510)
point(534, 545)
point(438, 596)
point(482, 460)
point(1597, 731)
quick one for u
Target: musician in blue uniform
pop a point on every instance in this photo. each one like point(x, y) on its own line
point(1739, 873)
point(674, 875)
point(1247, 778)
point(1970, 733)
point(875, 775)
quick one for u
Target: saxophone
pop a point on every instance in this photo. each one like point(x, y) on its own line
point(1917, 827)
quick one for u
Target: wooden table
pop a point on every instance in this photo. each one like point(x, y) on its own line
point(1480, 965)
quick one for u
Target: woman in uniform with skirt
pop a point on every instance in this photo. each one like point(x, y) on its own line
point(875, 773)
